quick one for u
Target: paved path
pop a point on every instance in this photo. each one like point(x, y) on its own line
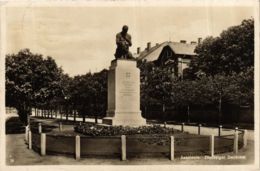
point(187, 128)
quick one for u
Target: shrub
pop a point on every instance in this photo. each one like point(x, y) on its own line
point(14, 126)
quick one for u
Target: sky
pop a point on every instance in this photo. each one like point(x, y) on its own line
point(82, 39)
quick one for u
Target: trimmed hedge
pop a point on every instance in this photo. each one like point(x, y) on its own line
point(14, 126)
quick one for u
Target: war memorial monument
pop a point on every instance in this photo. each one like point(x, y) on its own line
point(124, 86)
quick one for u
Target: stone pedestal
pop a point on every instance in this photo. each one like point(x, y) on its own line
point(124, 94)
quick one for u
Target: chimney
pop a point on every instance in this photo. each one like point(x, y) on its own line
point(183, 41)
point(138, 50)
point(199, 40)
point(157, 44)
point(148, 46)
point(193, 42)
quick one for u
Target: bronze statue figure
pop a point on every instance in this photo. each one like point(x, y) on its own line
point(123, 42)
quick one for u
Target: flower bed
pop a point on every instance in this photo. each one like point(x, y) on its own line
point(100, 130)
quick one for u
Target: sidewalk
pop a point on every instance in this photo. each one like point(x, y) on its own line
point(188, 128)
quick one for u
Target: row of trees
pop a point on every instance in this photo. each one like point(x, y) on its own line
point(33, 81)
point(88, 94)
point(160, 88)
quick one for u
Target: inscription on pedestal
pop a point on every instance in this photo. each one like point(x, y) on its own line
point(124, 94)
point(128, 86)
point(128, 93)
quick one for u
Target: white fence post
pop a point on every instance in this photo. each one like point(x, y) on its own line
point(236, 142)
point(77, 147)
point(245, 138)
point(164, 124)
point(39, 128)
point(43, 144)
point(172, 148)
point(26, 133)
point(211, 145)
point(123, 147)
point(29, 139)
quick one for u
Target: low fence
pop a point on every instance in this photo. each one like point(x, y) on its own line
point(136, 145)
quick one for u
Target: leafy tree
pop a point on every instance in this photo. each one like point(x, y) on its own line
point(183, 95)
point(99, 93)
point(235, 89)
point(146, 87)
point(232, 51)
point(155, 86)
point(80, 94)
point(89, 94)
point(66, 101)
point(31, 80)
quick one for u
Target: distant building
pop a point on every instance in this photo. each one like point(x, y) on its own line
point(174, 55)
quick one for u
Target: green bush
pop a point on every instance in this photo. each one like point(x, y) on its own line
point(14, 126)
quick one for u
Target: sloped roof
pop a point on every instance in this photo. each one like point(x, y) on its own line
point(177, 48)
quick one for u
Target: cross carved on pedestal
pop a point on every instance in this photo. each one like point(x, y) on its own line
point(127, 74)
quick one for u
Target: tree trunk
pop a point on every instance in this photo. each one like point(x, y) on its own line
point(96, 119)
point(145, 111)
point(28, 118)
point(67, 115)
point(237, 113)
point(84, 118)
point(74, 115)
point(60, 111)
point(163, 109)
point(61, 115)
point(220, 108)
point(56, 113)
point(188, 113)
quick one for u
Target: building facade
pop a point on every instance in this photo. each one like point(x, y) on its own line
point(175, 56)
